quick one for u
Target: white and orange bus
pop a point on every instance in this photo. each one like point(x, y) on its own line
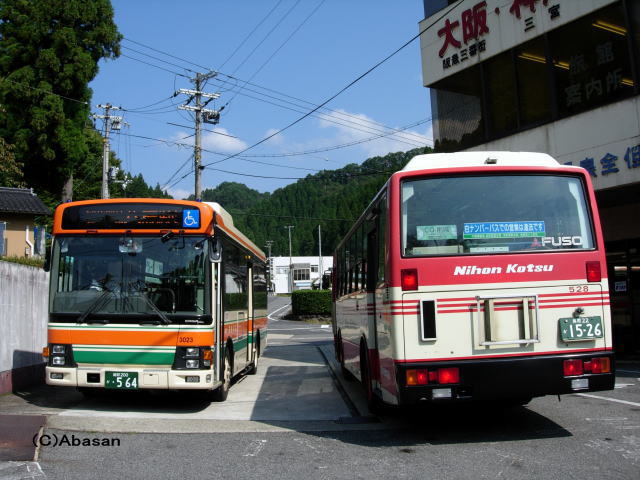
point(475, 276)
point(153, 294)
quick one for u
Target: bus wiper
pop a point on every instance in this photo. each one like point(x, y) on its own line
point(100, 321)
point(96, 305)
point(136, 288)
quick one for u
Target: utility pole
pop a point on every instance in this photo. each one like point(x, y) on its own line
point(320, 269)
point(201, 115)
point(268, 244)
point(110, 122)
point(289, 227)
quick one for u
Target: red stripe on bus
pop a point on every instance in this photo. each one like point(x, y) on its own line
point(506, 355)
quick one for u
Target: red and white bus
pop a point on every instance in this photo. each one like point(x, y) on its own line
point(475, 276)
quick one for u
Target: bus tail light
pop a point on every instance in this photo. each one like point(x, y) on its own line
point(449, 375)
point(572, 368)
point(594, 273)
point(598, 365)
point(409, 279)
point(417, 377)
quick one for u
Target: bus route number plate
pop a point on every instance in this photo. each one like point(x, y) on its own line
point(581, 328)
point(123, 380)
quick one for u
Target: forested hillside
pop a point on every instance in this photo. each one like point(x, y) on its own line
point(332, 199)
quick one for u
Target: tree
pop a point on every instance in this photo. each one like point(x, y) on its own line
point(49, 52)
point(10, 170)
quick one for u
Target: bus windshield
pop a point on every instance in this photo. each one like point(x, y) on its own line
point(494, 214)
point(157, 278)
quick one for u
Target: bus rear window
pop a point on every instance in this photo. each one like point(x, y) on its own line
point(494, 214)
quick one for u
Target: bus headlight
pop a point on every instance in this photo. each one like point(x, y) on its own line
point(58, 361)
point(192, 358)
point(192, 363)
point(58, 349)
point(61, 355)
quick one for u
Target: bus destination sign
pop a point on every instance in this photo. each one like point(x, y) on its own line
point(129, 216)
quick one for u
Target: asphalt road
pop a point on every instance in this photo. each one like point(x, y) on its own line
point(298, 418)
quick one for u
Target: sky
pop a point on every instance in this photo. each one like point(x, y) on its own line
point(271, 62)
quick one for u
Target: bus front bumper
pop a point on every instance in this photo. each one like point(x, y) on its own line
point(146, 378)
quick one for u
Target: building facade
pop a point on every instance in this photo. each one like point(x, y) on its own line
point(19, 236)
point(553, 76)
point(299, 273)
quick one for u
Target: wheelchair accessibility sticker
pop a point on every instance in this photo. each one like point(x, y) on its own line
point(191, 218)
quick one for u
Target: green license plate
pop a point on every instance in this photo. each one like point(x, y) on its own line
point(124, 380)
point(581, 328)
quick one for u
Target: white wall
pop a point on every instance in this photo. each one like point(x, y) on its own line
point(281, 281)
point(23, 315)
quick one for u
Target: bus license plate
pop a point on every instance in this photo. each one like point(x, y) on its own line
point(124, 380)
point(581, 328)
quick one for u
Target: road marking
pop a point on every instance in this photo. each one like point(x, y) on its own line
point(635, 404)
point(21, 471)
point(254, 448)
point(275, 311)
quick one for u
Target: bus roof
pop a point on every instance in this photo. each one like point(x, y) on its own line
point(225, 221)
point(152, 221)
point(433, 161)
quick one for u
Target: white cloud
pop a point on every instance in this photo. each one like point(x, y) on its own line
point(222, 141)
point(178, 193)
point(276, 139)
point(218, 140)
point(356, 127)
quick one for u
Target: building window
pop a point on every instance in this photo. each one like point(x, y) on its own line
point(456, 102)
point(534, 94)
point(282, 271)
point(501, 92)
point(301, 274)
point(577, 67)
point(591, 61)
point(314, 268)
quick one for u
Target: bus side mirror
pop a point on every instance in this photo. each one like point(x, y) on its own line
point(215, 250)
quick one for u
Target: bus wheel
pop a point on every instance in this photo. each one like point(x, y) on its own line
point(220, 394)
point(348, 376)
point(374, 403)
point(253, 368)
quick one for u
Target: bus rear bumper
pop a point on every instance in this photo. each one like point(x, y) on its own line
point(505, 378)
point(147, 378)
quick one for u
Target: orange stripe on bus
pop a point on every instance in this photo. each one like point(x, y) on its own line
point(157, 338)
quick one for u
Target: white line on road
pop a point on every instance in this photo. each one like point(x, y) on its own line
point(275, 311)
point(254, 448)
point(635, 404)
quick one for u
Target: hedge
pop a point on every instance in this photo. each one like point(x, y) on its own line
point(311, 302)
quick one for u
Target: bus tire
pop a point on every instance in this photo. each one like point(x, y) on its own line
point(374, 403)
point(253, 368)
point(348, 376)
point(220, 394)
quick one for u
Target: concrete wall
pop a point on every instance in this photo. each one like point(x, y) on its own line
point(23, 325)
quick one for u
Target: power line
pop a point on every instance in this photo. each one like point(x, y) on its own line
point(152, 65)
point(278, 49)
point(48, 92)
point(372, 125)
point(267, 35)
point(342, 90)
point(293, 217)
point(250, 34)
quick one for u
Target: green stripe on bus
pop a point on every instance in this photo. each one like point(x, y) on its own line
point(123, 358)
